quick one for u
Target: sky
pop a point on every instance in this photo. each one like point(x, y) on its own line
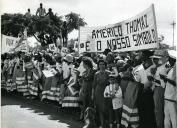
point(102, 12)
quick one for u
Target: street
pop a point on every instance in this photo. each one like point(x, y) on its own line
point(17, 112)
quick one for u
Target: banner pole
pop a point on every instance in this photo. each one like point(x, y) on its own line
point(79, 41)
point(155, 23)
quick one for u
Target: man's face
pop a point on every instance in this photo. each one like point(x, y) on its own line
point(137, 77)
point(172, 61)
point(155, 60)
point(102, 66)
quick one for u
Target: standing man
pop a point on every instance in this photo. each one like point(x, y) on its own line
point(170, 108)
point(41, 11)
point(50, 13)
point(160, 58)
point(28, 14)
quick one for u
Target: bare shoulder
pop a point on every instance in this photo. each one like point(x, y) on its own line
point(97, 73)
point(108, 72)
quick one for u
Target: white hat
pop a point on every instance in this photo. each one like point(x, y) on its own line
point(172, 54)
point(159, 54)
point(69, 58)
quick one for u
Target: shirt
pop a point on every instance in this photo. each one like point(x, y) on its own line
point(163, 71)
point(66, 70)
point(117, 100)
point(28, 15)
point(171, 90)
point(143, 73)
point(41, 11)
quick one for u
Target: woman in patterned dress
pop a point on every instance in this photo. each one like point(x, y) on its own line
point(99, 85)
point(36, 76)
point(70, 88)
point(3, 76)
point(7, 73)
point(19, 76)
point(56, 80)
point(87, 82)
point(51, 64)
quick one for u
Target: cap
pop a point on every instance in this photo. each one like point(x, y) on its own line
point(172, 54)
point(69, 58)
point(112, 76)
point(159, 54)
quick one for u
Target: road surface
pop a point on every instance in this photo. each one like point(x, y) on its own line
point(17, 112)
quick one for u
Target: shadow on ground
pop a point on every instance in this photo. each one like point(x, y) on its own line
point(40, 108)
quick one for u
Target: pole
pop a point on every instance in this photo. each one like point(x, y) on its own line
point(173, 24)
point(155, 24)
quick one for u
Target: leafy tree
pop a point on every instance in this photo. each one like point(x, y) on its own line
point(12, 24)
point(44, 29)
point(74, 21)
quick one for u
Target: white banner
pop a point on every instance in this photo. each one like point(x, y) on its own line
point(8, 43)
point(23, 46)
point(136, 33)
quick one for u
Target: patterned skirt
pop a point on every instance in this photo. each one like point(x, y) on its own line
point(130, 116)
point(20, 83)
point(70, 100)
point(46, 89)
point(33, 88)
point(53, 94)
point(10, 86)
point(3, 82)
point(51, 90)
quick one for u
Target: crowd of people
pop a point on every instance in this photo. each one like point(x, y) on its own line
point(51, 18)
point(133, 89)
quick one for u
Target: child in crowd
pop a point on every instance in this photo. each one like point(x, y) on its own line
point(113, 95)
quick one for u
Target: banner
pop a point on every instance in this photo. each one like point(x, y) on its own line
point(52, 47)
point(24, 47)
point(64, 51)
point(136, 33)
point(8, 43)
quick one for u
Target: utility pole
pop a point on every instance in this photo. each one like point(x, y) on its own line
point(173, 24)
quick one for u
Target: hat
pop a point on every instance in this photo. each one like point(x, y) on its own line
point(69, 58)
point(112, 76)
point(38, 57)
point(110, 57)
point(147, 53)
point(87, 54)
point(159, 54)
point(117, 58)
point(106, 51)
point(58, 58)
point(172, 54)
point(120, 63)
